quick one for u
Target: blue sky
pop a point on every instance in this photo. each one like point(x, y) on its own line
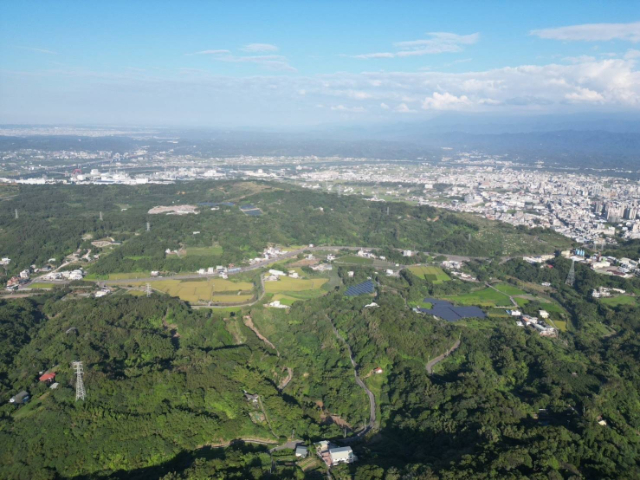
point(273, 64)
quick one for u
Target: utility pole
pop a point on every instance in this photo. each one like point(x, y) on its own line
point(148, 290)
point(571, 278)
point(80, 391)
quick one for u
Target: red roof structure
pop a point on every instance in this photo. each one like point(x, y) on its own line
point(47, 377)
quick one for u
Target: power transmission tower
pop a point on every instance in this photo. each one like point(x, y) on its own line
point(148, 226)
point(80, 392)
point(571, 278)
point(148, 290)
point(16, 213)
point(100, 216)
point(387, 211)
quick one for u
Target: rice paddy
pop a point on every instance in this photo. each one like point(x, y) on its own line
point(206, 290)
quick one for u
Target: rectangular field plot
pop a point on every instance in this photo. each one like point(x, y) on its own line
point(287, 284)
point(486, 297)
point(433, 274)
point(203, 291)
point(204, 251)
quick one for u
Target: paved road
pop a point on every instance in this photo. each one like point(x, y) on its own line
point(372, 399)
point(439, 358)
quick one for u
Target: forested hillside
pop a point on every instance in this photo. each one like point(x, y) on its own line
point(54, 221)
point(165, 381)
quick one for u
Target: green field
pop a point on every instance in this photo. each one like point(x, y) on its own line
point(288, 284)
point(42, 285)
point(559, 324)
point(509, 289)
point(552, 308)
point(619, 300)
point(127, 276)
point(285, 299)
point(202, 291)
point(434, 274)
point(355, 260)
point(214, 251)
point(487, 297)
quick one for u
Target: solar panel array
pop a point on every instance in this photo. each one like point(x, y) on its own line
point(447, 311)
point(360, 289)
point(251, 210)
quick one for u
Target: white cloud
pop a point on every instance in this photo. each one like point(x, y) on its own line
point(580, 59)
point(593, 32)
point(438, 42)
point(584, 95)
point(259, 47)
point(446, 101)
point(39, 50)
point(209, 52)
point(366, 56)
point(342, 108)
point(631, 54)
point(384, 106)
point(403, 108)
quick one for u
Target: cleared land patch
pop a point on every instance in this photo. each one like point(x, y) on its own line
point(619, 300)
point(434, 274)
point(355, 260)
point(288, 284)
point(487, 297)
point(214, 251)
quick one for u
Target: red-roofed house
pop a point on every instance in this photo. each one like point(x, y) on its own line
point(47, 377)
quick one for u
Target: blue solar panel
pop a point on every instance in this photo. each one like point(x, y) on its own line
point(253, 213)
point(360, 289)
point(447, 311)
point(248, 207)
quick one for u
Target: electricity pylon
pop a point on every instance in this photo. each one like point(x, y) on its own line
point(571, 278)
point(80, 391)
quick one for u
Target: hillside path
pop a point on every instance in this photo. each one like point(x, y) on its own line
point(439, 358)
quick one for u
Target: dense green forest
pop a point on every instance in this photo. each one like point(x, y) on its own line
point(54, 221)
point(165, 383)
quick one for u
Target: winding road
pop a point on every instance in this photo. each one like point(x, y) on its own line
point(372, 399)
point(439, 358)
